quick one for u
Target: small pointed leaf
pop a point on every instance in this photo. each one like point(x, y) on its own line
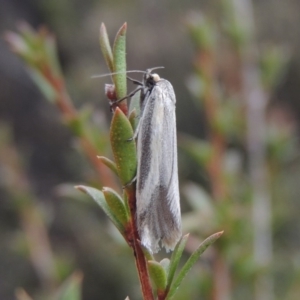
point(29, 35)
point(165, 263)
point(77, 126)
point(119, 58)
point(109, 163)
point(52, 54)
point(176, 255)
point(158, 274)
point(124, 149)
point(147, 253)
point(116, 205)
point(135, 103)
point(47, 90)
point(191, 261)
point(71, 289)
point(126, 203)
point(105, 48)
point(99, 198)
point(133, 119)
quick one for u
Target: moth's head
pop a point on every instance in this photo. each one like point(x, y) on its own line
point(151, 79)
point(155, 77)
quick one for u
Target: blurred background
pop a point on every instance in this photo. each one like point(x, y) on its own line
point(235, 68)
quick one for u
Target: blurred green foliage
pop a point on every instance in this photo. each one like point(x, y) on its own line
point(223, 200)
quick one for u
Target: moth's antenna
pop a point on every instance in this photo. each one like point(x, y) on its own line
point(155, 68)
point(108, 74)
point(131, 71)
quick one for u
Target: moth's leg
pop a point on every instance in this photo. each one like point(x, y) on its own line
point(141, 86)
point(129, 95)
point(135, 81)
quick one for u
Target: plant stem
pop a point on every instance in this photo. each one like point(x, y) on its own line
point(134, 242)
point(261, 211)
point(205, 62)
point(256, 102)
point(69, 112)
point(31, 219)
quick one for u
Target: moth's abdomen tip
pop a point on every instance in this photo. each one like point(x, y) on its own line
point(170, 244)
point(151, 245)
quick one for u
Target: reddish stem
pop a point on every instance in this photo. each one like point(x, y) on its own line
point(133, 240)
point(69, 112)
point(206, 63)
point(162, 295)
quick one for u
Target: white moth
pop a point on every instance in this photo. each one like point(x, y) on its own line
point(158, 205)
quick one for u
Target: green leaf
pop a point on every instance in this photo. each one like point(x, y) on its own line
point(71, 289)
point(76, 125)
point(17, 44)
point(105, 48)
point(147, 253)
point(176, 255)
point(133, 119)
point(81, 126)
point(191, 261)
point(29, 35)
point(46, 88)
point(119, 58)
point(99, 198)
point(238, 31)
point(200, 151)
point(158, 274)
point(202, 31)
point(126, 203)
point(165, 263)
point(273, 64)
point(135, 103)
point(51, 51)
point(109, 163)
point(124, 149)
point(116, 205)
